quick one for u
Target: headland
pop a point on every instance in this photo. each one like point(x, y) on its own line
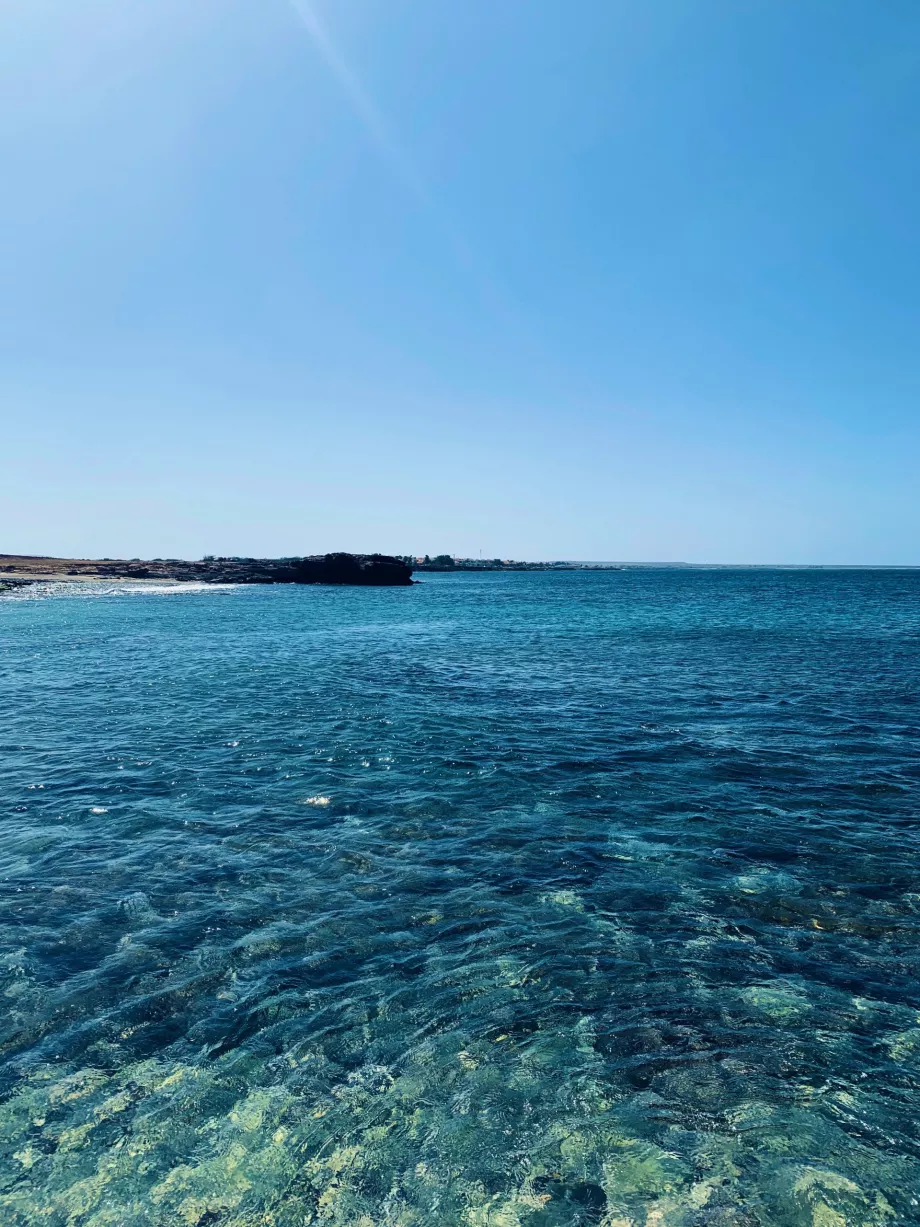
point(366, 570)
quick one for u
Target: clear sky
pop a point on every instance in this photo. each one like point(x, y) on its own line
point(601, 279)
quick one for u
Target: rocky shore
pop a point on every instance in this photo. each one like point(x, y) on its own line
point(368, 570)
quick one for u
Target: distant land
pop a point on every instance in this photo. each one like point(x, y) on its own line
point(369, 570)
point(365, 570)
point(447, 562)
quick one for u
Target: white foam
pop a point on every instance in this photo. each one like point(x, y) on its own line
point(89, 589)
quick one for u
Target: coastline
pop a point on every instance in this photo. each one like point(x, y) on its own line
point(365, 570)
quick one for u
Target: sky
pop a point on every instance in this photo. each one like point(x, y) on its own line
point(540, 279)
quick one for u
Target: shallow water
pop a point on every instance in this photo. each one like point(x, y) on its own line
point(526, 900)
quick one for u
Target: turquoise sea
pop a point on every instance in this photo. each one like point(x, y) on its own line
point(503, 900)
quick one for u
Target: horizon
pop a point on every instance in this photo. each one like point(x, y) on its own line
point(628, 281)
point(416, 560)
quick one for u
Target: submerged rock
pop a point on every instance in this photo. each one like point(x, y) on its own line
point(568, 1203)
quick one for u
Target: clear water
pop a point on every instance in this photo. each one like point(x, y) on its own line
point(526, 900)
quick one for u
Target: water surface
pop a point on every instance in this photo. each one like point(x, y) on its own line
point(525, 900)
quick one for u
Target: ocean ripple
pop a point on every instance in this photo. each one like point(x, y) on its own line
point(504, 900)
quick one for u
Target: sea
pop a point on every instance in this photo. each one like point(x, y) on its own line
point(566, 899)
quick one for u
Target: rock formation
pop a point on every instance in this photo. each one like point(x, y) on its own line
point(375, 569)
point(368, 570)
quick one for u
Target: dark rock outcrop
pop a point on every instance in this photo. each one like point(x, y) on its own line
point(370, 569)
point(366, 570)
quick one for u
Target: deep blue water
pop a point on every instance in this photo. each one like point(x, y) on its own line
point(525, 900)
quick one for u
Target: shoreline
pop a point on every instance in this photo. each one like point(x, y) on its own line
point(364, 570)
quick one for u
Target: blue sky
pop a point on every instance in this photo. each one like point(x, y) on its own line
point(595, 279)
